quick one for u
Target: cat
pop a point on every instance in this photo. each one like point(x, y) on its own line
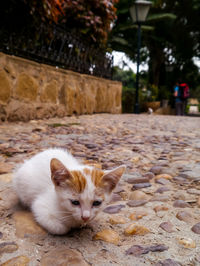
point(61, 192)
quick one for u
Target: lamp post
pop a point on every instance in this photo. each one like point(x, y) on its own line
point(139, 13)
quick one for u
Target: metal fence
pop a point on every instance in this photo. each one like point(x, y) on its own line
point(53, 45)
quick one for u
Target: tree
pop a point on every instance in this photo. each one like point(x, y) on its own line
point(92, 18)
point(49, 10)
point(171, 38)
point(127, 77)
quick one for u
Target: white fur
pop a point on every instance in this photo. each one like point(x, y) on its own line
point(51, 206)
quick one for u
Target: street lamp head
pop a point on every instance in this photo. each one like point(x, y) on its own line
point(140, 10)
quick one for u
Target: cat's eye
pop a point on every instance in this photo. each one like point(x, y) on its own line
point(75, 202)
point(96, 203)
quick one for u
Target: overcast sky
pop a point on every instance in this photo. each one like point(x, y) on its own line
point(119, 58)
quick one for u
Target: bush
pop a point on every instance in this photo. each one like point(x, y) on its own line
point(150, 94)
point(128, 100)
point(187, 109)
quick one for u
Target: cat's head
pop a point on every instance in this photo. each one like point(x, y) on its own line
point(84, 192)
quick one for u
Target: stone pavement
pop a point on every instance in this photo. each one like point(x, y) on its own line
point(154, 216)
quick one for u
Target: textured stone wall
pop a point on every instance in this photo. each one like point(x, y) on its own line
point(29, 90)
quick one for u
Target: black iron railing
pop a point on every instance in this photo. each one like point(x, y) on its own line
point(56, 46)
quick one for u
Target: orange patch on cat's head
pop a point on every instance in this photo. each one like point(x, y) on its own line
point(96, 175)
point(78, 181)
point(63, 177)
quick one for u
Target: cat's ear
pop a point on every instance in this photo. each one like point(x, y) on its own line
point(111, 178)
point(60, 175)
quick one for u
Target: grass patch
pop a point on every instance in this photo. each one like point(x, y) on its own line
point(55, 125)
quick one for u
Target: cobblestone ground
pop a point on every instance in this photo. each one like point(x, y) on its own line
point(154, 216)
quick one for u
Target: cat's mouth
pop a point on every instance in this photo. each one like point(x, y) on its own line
point(86, 222)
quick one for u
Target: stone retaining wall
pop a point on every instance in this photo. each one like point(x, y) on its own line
point(29, 90)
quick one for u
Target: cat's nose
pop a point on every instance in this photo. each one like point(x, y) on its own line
point(85, 218)
point(85, 215)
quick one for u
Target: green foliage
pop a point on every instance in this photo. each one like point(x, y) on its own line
point(50, 10)
point(173, 41)
point(128, 100)
point(156, 17)
point(187, 108)
point(164, 93)
point(127, 77)
point(195, 93)
point(92, 18)
point(150, 94)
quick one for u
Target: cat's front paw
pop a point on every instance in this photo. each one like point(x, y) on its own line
point(53, 226)
point(57, 229)
point(48, 219)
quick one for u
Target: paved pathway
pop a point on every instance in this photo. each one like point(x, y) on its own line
point(154, 216)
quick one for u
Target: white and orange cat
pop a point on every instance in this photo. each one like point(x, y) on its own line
point(61, 192)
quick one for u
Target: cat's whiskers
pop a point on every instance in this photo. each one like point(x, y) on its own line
point(65, 218)
point(63, 212)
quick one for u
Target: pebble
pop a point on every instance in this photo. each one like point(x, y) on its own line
point(187, 242)
point(8, 247)
point(138, 195)
point(134, 229)
point(184, 216)
point(114, 208)
point(137, 215)
point(162, 181)
point(181, 204)
point(156, 169)
point(180, 180)
point(26, 225)
point(162, 189)
point(159, 248)
point(167, 226)
point(7, 178)
point(107, 235)
point(196, 228)
point(193, 191)
point(162, 198)
point(124, 195)
point(149, 175)
point(180, 195)
point(115, 197)
point(198, 202)
point(161, 208)
point(163, 176)
point(63, 256)
point(168, 262)
point(138, 250)
point(184, 175)
point(136, 203)
point(9, 198)
point(5, 168)
point(117, 220)
point(141, 185)
point(118, 189)
point(131, 177)
point(137, 180)
point(17, 261)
